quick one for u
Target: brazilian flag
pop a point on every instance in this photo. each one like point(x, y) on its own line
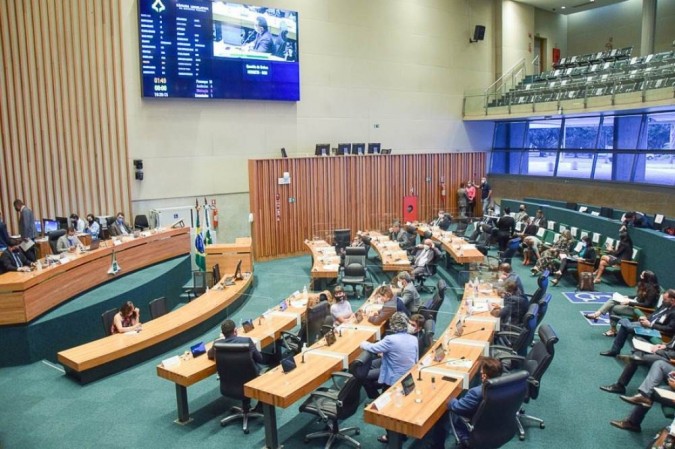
point(200, 257)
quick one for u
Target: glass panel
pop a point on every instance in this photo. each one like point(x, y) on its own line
point(575, 164)
point(623, 166)
point(539, 163)
point(603, 167)
point(627, 132)
point(498, 161)
point(581, 132)
point(661, 131)
point(543, 134)
point(517, 134)
point(660, 169)
point(501, 135)
point(606, 137)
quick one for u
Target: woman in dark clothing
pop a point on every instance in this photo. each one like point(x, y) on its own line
point(624, 251)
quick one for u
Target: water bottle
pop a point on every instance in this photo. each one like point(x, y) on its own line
point(304, 292)
point(304, 347)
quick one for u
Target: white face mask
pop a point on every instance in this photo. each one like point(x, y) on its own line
point(427, 247)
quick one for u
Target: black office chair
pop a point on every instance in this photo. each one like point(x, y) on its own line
point(360, 367)
point(542, 286)
point(430, 309)
point(199, 283)
point(235, 368)
point(157, 307)
point(354, 271)
point(331, 407)
point(491, 425)
point(53, 237)
point(316, 319)
point(428, 333)
point(141, 222)
point(216, 274)
point(536, 363)
point(516, 339)
point(341, 239)
point(107, 318)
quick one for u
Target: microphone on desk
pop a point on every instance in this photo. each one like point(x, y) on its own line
point(419, 372)
point(461, 334)
point(310, 350)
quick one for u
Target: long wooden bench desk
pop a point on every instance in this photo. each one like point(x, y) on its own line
point(394, 259)
point(415, 414)
point(314, 367)
point(325, 263)
point(25, 296)
point(81, 360)
point(461, 251)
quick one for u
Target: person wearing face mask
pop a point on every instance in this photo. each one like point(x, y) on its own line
point(485, 194)
point(77, 223)
point(424, 255)
point(68, 242)
point(120, 227)
point(93, 228)
point(12, 259)
point(341, 310)
point(443, 220)
point(409, 294)
point(522, 212)
point(470, 198)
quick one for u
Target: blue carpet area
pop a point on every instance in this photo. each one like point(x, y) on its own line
point(135, 408)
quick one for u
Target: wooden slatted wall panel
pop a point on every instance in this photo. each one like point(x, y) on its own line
point(348, 192)
point(62, 110)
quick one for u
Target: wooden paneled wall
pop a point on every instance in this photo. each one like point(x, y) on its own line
point(62, 110)
point(355, 192)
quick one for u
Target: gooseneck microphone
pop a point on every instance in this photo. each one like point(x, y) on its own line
point(302, 360)
point(419, 373)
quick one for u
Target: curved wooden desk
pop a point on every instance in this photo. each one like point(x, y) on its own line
point(459, 249)
point(325, 262)
point(25, 296)
point(97, 353)
point(416, 413)
point(393, 257)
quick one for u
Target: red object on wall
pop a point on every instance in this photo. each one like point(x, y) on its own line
point(409, 208)
point(556, 55)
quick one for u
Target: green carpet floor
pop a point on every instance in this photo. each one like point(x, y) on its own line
point(43, 408)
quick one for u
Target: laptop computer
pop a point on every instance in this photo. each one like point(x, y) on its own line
point(95, 244)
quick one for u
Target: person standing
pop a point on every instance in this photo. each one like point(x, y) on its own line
point(485, 194)
point(27, 227)
point(461, 200)
point(470, 198)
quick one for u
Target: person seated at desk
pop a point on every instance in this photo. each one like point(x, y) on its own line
point(13, 259)
point(5, 239)
point(390, 305)
point(506, 273)
point(424, 255)
point(443, 220)
point(624, 251)
point(77, 223)
point(551, 258)
point(539, 219)
point(119, 226)
point(341, 310)
point(229, 335)
point(637, 220)
point(128, 319)
point(660, 372)
point(484, 228)
point(587, 253)
point(408, 294)
point(93, 228)
point(68, 242)
point(515, 305)
point(399, 353)
point(662, 320)
point(397, 234)
point(647, 293)
point(521, 214)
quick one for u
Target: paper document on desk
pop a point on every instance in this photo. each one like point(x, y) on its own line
point(299, 303)
point(644, 346)
point(460, 363)
point(478, 308)
point(331, 267)
point(26, 245)
point(666, 394)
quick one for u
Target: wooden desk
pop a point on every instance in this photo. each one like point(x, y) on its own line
point(392, 256)
point(325, 263)
point(190, 371)
point(25, 296)
point(79, 360)
point(459, 249)
point(276, 389)
point(416, 413)
point(228, 255)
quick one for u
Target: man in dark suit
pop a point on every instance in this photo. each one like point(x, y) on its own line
point(27, 227)
point(506, 226)
point(442, 221)
point(662, 320)
point(229, 331)
point(467, 406)
point(12, 259)
point(408, 294)
point(120, 227)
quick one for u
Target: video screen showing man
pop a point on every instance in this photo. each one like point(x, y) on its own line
point(254, 32)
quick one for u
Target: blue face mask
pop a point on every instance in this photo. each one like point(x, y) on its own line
point(120, 220)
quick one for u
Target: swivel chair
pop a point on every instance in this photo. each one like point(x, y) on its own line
point(430, 309)
point(235, 368)
point(332, 406)
point(53, 237)
point(107, 318)
point(157, 307)
point(516, 339)
point(491, 425)
point(141, 222)
point(354, 271)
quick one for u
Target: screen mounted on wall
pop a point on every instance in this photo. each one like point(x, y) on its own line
point(218, 49)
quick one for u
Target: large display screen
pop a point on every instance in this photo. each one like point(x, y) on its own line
point(218, 49)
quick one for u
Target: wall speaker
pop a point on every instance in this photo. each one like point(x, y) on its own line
point(478, 34)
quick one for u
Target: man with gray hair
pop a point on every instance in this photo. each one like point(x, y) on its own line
point(408, 294)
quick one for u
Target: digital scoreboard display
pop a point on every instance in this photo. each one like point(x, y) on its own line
point(217, 49)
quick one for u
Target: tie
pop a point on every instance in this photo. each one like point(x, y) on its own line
point(17, 260)
point(656, 315)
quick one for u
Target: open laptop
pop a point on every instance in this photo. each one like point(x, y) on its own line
point(94, 245)
point(229, 280)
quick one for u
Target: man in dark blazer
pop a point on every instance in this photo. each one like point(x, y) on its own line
point(12, 259)
point(506, 226)
point(120, 227)
point(467, 406)
point(662, 320)
point(229, 331)
point(27, 227)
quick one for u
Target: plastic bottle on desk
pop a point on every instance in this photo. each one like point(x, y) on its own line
point(304, 347)
point(304, 292)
